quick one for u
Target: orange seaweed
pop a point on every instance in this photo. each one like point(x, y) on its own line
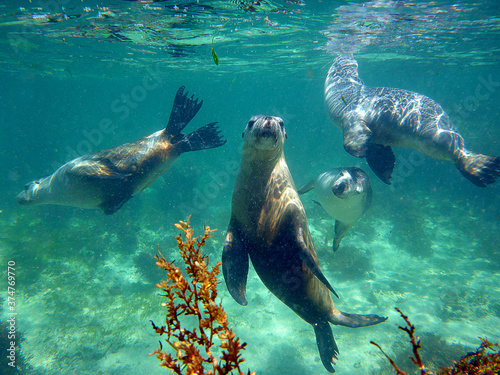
point(195, 296)
point(484, 361)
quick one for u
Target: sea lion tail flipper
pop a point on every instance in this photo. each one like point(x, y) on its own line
point(183, 111)
point(310, 262)
point(481, 170)
point(381, 160)
point(354, 320)
point(340, 231)
point(309, 186)
point(328, 350)
point(235, 265)
point(205, 137)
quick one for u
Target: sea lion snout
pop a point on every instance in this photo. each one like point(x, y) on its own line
point(22, 198)
point(25, 196)
point(267, 120)
point(339, 188)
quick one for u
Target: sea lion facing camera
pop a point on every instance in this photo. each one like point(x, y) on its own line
point(375, 118)
point(345, 193)
point(109, 178)
point(268, 225)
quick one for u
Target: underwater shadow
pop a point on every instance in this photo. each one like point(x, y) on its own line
point(285, 360)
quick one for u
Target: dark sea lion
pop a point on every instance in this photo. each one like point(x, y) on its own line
point(109, 178)
point(269, 226)
point(345, 193)
point(375, 118)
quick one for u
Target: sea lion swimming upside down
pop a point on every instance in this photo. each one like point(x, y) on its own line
point(373, 119)
point(109, 178)
point(268, 225)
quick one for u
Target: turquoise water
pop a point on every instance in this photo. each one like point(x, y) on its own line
point(84, 290)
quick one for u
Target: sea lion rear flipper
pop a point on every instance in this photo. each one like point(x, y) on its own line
point(310, 262)
point(328, 350)
point(309, 186)
point(354, 320)
point(235, 265)
point(356, 137)
point(207, 136)
point(340, 231)
point(381, 160)
point(481, 170)
point(183, 111)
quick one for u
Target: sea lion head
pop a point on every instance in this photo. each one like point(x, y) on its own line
point(350, 182)
point(29, 195)
point(265, 133)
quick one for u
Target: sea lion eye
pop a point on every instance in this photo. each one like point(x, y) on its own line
point(282, 125)
point(250, 124)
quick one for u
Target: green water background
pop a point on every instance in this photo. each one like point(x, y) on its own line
point(85, 281)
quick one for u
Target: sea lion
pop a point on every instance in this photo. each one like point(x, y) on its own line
point(375, 118)
point(268, 225)
point(109, 178)
point(345, 193)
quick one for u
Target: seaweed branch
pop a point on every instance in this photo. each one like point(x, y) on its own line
point(415, 342)
point(484, 361)
point(398, 371)
point(195, 296)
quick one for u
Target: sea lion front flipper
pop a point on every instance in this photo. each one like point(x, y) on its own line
point(309, 186)
point(310, 262)
point(319, 204)
point(114, 183)
point(235, 265)
point(327, 346)
point(183, 111)
point(340, 231)
point(381, 160)
point(114, 202)
point(356, 137)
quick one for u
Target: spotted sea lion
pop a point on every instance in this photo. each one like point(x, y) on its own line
point(109, 178)
point(373, 119)
point(345, 193)
point(268, 225)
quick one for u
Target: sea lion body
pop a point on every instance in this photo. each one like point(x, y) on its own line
point(345, 194)
point(109, 178)
point(269, 226)
point(373, 119)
